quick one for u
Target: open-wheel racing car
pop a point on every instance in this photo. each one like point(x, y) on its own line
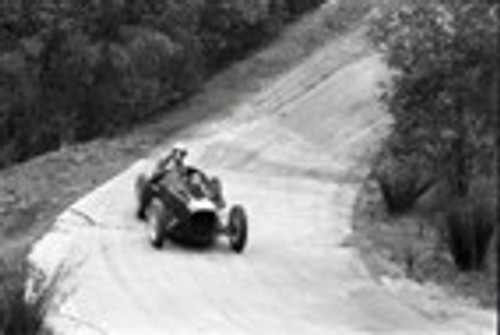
point(197, 218)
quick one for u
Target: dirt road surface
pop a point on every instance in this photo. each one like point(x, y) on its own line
point(295, 162)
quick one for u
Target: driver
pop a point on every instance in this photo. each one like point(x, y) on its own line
point(173, 170)
point(173, 162)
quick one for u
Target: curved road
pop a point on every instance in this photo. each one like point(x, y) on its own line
point(296, 168)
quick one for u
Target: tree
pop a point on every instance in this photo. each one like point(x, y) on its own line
point(443, 97)
point(443, 90)
point(76, 69)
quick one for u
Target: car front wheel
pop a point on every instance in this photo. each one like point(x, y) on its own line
point(155, 217)
point(237, 228)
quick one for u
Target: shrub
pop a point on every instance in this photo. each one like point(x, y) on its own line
point(400, 193)
point(20, 313)
point(297, 7)
point(401, 182)
point(226, 29)
point(470, 227)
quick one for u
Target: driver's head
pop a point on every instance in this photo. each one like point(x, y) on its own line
point(180, 151)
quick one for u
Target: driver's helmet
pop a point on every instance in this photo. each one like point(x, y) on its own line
point(179, 150)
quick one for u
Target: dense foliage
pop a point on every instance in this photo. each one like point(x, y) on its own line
point(71, 70)
point(444, 100)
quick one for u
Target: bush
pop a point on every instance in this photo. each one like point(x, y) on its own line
point(402, 181)
point(20, 313)
point(400, 193)
point(470, 227)
point(297, 7)
point(229, 28)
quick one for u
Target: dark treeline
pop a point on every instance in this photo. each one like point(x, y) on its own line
point(72, 70)
point(444, 100)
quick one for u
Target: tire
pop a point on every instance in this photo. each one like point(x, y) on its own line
point(155, 219)
point(141, 193)
point(237, 228)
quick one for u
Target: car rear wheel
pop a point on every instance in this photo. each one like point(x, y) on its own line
point(141, 193)
point(155, 218)
point(237, 228)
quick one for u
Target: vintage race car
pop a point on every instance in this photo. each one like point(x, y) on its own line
point(197, 218)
